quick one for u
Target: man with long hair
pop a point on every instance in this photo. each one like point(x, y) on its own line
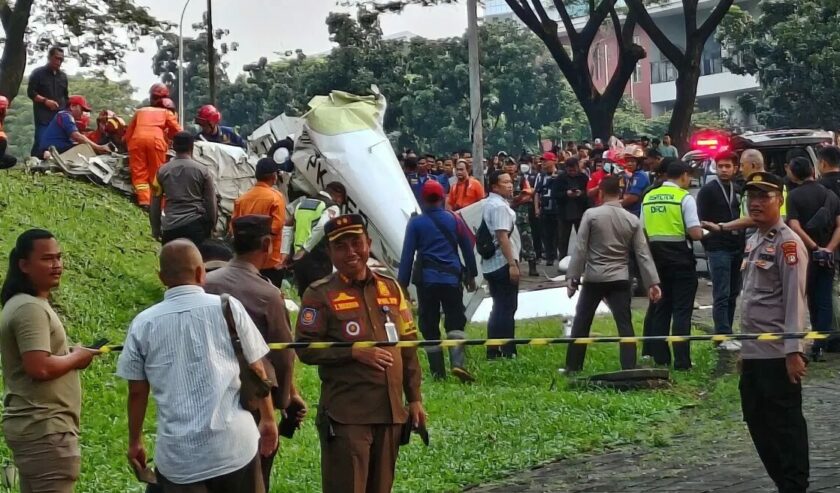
point(43, 394)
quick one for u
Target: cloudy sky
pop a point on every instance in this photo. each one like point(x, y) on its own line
point(262, 27)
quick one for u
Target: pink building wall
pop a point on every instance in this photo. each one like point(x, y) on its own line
point(603, 60)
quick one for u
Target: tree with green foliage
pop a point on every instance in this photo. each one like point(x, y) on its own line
point(794, 49)
point(97, 33)
point(196, 65)
point(686, 57)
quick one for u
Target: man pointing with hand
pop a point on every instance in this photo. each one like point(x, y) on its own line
point(362, 409)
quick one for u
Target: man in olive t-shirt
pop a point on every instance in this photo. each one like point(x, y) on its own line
point(43, 395)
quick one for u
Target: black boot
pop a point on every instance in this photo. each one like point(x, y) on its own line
point(532, 269)
point(437, 365)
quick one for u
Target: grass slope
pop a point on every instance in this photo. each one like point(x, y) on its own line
point(519, 414)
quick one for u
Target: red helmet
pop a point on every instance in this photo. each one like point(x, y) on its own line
point(159, 90)
point(115, 125)
point(209, 114)
point(168, 104)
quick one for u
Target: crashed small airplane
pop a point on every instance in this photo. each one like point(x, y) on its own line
point(341, 138)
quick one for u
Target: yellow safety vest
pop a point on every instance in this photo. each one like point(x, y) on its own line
point(307, 215)
point(662, 209)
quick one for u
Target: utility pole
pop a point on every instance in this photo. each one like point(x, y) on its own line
point(476, 125)
point(211, 53)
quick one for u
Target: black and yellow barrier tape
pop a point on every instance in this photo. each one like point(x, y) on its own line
point(537, 341)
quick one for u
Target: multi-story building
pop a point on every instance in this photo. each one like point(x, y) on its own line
point(652, 85)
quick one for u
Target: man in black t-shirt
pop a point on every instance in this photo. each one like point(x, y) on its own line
point(569, 190)
point(719, 202)
point(813, 212)
point(829, 166)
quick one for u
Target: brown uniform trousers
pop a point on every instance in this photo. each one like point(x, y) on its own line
point(362, 409)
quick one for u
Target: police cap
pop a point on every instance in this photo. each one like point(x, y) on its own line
point(254, 226)
point(766, 182)
point(348, 224)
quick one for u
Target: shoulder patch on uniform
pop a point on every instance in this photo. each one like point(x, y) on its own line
point(790, 251)
point(308, 316)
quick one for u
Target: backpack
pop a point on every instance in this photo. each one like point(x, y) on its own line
point(484, 242)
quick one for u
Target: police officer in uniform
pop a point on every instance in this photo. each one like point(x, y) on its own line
point(311, 215)
point(669, 216)
point(362, 410)
point(773, 301)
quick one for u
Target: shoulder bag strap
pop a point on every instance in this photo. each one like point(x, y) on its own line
point(446, 233)
point(231, 324)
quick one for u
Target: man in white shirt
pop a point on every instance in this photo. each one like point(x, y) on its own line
point(181, 350)
point(502, 269)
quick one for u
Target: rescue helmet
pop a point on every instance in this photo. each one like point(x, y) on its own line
point(634, 151)
point(208, 114)
point(159, 90)
point(115, 125)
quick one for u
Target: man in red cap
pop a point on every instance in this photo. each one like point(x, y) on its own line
point(437, 272)
point(62, 132)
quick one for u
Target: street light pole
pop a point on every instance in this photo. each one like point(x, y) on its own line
point(181, 65)
point(211, 54)
point(476, 125)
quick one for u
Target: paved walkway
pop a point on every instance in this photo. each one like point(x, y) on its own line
point(706, 459)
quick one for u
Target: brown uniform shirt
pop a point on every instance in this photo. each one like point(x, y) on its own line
point(336, 309)
point(267, 308)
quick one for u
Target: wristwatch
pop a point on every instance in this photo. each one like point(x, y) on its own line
point(721, 229)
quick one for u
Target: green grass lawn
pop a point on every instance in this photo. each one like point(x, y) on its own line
point(519, 414)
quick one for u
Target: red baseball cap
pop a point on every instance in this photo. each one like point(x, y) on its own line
point(549, 156)
point(432, 191)
point(79, 100)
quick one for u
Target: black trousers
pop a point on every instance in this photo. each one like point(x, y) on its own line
point(6, 161)
point(502, 323)
point(536, 232)
point(245, 480)
point(564, 233)
point(679, 286)
point(196, 231)
point(550, 230)
point(618, 296)
point(772, 408)
point(274, 276)
point(430, 299)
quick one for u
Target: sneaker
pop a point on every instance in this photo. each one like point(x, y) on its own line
point(463, 375)
point(730, 346)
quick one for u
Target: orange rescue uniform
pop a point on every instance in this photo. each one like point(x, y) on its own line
point(264, 200)
point(148, 136)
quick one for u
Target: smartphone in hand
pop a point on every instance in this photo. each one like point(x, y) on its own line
point(289, 422)
point(98, 344)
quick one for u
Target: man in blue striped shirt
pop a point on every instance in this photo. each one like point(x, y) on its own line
point(181, 350)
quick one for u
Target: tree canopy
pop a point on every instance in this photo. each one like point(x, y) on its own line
point(793, 46)
point(97, 33)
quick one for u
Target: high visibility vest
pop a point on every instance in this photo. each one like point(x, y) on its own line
point(662, 208)
point(307, 215)
point(665, 228)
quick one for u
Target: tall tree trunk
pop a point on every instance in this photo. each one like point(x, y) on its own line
point(680, 125)
point(13, 61)
point(600, 118)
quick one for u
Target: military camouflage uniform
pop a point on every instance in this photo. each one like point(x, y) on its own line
point(523, 224)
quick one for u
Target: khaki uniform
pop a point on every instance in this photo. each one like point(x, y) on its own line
point(773, 301)
point(267, 308)
point(361, 410)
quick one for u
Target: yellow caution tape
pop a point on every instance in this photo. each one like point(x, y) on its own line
point(538, 341)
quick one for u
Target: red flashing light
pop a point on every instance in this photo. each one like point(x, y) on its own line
point(710, 142)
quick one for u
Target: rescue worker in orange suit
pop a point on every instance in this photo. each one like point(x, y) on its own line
point(6, 161)
point(209, 118)
point(148, 137)
point(362, 415)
